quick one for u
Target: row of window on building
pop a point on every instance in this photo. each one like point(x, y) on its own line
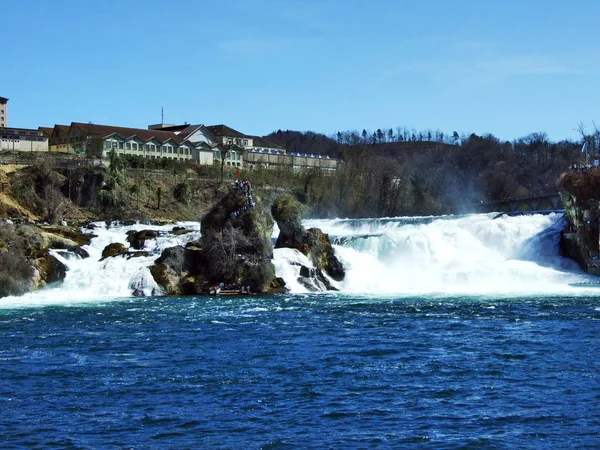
point(152, 148)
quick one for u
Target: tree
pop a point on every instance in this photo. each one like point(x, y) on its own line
point(225, 151)
point(390, 135)
point(455, 138)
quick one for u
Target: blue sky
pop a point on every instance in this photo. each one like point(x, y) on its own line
point(504, 67)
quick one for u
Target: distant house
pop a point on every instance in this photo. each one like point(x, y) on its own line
point(206, 145)
point(99, 140)
point(263, 153)
point(231, 142)
point(23, 140)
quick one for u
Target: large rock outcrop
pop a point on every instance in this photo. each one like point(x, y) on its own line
point(26, 263)
point(235, 250)
point(580, 195)
point(312, 243)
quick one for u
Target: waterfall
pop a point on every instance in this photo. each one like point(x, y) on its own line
point(472, 254)
point(92, 279)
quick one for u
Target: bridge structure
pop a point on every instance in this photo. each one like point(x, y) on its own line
point(525, 205)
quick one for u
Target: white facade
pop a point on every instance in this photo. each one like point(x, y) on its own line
point(22, 140)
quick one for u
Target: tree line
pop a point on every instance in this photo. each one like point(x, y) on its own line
point(390, 172)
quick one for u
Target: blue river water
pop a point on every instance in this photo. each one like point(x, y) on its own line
point(303, 371)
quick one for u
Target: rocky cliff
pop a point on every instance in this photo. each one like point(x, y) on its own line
point(580, 193)
point(26, 263)
point(234, 251)
point(312, 243)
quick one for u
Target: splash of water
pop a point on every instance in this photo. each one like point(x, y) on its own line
point(474, 254)
point(92, 279)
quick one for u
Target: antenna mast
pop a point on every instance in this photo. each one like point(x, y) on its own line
point(162, 115)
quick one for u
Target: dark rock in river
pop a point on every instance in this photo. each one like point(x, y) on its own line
point(50, 269)
point(25, 260)
point(114, 249)
point(313, 243)
point(137, 239)
point(234, 249)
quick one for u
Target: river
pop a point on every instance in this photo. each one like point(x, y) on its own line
point(448, 332)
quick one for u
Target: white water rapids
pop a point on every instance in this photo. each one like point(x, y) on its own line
point(449, 255)
point(473, 254)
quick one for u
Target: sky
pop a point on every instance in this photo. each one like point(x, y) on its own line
point(505, 67)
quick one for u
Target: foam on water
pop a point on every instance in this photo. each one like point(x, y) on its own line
point(474, 255)
point(449, 255)
point(93, 280)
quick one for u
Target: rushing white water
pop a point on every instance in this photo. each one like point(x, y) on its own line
point(474, 254)
point(449, 255)
point(93, 280)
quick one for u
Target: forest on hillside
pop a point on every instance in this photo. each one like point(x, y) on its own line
point(405, 172)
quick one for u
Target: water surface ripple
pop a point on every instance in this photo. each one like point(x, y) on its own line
point(319, 371)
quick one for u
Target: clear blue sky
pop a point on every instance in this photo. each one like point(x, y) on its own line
point(504, 67)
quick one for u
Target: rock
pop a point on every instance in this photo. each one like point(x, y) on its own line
point(137, 254)
point(313, 243)
point(137, 239)
point(51, 270)
point(81, 252)
point(277, 286)
point(236, 243)
point(169, 269)
point(114, 249)
point(58, 242)
point(234, 249)
point(179, 231)
point(25, 262)
point(579, 239)
point(72, 233)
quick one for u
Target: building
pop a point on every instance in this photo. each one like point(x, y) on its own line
point(205, 145)
point(258, 152)
point(224, 141)
point(99, 140)
point(23, 140)
point(3, 112)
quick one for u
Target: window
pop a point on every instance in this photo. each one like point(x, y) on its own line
point(106, 144)
point(128, 145)
point(121, 145)
point(216, 154)
point(164, 149)
point(134, 145)
point(245, 142)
